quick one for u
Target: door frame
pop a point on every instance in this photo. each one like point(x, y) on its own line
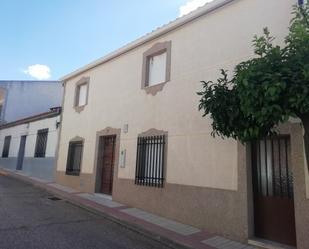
point(21, 154)
point(295, 132)
point(108, 131)
point(104, 141)
point(271, 199)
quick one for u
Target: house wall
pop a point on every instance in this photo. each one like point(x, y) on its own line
point(306, 173)
point(207, 179)
point(300, 181)
point(27, 98)
point(38, 167)
point(307, 181)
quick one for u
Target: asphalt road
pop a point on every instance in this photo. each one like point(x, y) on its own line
point(30, 220)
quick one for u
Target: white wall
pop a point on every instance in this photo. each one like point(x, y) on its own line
point(218, 40)
point(31, 131)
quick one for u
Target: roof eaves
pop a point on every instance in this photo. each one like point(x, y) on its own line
point(210, 7)
point(52, 113)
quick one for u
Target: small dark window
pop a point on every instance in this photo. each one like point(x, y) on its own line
point(74, 158)
point(6, 146)
point(150, 161)
point(41, 142)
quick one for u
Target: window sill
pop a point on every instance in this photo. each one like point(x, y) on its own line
point(153, 90)
point(79, 108)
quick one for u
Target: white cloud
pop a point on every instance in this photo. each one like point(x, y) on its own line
point(39, 72)
point(191, 5)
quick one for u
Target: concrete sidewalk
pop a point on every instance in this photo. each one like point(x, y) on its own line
point(172, 233)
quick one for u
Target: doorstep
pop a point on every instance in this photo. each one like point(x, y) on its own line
point(268, 244)
point(167, 231)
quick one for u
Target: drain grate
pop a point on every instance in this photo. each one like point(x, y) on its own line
point(54, 198)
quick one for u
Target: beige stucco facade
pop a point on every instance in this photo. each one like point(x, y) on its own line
point(208, 178)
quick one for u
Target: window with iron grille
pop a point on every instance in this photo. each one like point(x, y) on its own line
point(41, 142)
point(6, 146)
point(74, 158)
point(150, 161)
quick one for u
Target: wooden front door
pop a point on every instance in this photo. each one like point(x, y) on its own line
point(274, 217)
point(107, 151)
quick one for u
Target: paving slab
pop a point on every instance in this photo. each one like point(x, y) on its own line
point(21, 173)
point(39, 180)
point(219, 242)
point(162, 222)
point(100, 200)
point(63, 188)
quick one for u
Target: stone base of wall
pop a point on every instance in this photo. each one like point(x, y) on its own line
point(218, 211)
point(8, 163)
point(43, 168)
point(83, 182)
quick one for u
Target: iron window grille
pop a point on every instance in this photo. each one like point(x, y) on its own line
point(150, 161)
point(74, 158)
point(6, 146)
point(41, 143)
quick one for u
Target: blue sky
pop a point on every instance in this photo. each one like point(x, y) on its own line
point(46, 39)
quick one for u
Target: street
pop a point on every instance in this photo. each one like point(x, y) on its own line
point(29, 219)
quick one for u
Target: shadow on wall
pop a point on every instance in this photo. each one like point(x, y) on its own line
point(42, 168)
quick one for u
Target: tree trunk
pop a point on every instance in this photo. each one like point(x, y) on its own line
point(305, 121)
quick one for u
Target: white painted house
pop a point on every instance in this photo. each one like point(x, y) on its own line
point(131, 128)
point(29, 145)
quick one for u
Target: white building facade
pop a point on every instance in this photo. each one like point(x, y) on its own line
point(30, 145)
point(131, 129)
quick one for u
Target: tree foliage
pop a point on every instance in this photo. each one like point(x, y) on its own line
point(265, 90)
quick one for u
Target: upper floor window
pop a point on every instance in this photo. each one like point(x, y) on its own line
point(41, 142)
point(81, 94)
point(6, 146)
point(156, 67)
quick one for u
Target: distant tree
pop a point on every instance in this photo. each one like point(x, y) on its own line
point(266, 90)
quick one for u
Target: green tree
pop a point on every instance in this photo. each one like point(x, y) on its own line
point(266, 90)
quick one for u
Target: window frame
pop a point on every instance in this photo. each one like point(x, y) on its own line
point(141, 177)
point(156, 49)
point(6, 151)
point(70, 170)
point(152, 57)
point(78, 85)
point(39, 133)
